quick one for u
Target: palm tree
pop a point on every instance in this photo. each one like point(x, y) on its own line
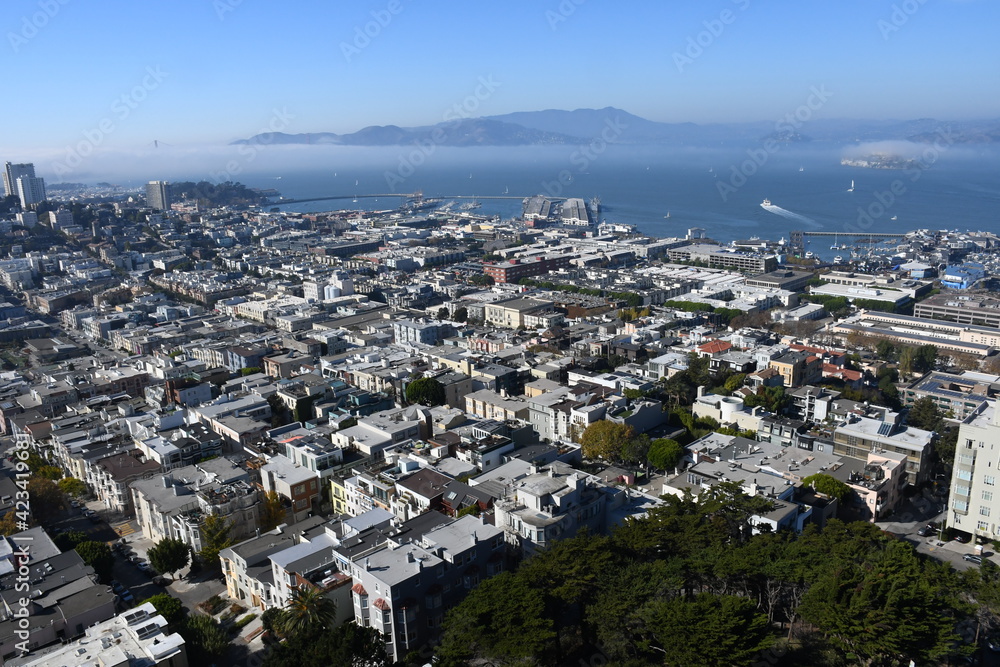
point(307, 610)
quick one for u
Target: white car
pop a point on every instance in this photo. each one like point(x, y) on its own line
point(144, 566)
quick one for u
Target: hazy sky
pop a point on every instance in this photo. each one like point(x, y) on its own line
point(120, 74)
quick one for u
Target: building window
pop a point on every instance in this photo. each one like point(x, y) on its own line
point(988, 480)
point(982, 526)
point(987, 495)
point(984, 510)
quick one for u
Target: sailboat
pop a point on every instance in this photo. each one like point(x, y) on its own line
point(667, 215)
point(851, 189)
point(506, 190)
point(836, 244)
point(355, 181)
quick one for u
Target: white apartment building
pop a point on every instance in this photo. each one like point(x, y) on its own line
point(974, 499)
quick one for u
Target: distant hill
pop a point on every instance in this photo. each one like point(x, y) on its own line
point(581, 126)
point(463, 132)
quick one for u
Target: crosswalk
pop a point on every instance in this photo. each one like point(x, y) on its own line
point(124, 529)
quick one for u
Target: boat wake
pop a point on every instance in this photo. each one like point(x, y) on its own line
point(785, 213)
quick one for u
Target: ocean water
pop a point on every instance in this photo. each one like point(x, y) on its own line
point(720, 190)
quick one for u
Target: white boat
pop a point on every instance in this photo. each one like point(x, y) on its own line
point(766, 202)
point(851, 189)
point(802, 168)
point(809, 254)
point(893, 218)
point(667, 215)
point(838, 260)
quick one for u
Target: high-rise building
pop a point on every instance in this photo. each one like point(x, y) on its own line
point(31, 190)
point(158, 195)
point(974, 501)
point(12, 172)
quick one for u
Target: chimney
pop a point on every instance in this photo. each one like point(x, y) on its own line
point(701, 391)
point(409, 557)
point(368, 564)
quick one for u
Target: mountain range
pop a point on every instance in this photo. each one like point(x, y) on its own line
point(555, 126)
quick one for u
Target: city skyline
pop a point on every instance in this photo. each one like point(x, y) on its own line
point(213, 72)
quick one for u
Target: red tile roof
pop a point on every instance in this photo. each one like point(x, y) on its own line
point(714, 347)
point(359, 589)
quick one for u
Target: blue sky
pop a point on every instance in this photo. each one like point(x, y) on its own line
point(185, 72)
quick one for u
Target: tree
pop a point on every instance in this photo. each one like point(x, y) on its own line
point(169, 555)
point(169, 607)
point(308, 611)
point(664, 453)
point(887, 351)
point(924, 413)
point(279, 412)
point(270, 620)
point(708, 630)
point(461, 314)
point(636, 449)
point(772, 399)
point(272, 511)
point(67, 541)
point(829, 486)
point(425, 391)
point(215, 536)
point(879, 602)
point(8, 524)
point(442, 313)
point(350, 645)
point(46, 498)
point(482, 280)
point(304, 409)
point(735, 382)
point(249, 370)
point(605, 439)
point(71, 486)
point(503, 619)
point(98, 556)
point(50, 472)
point(206, 641)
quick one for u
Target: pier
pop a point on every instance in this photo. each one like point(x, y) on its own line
point(401, 195)
point(798, 238)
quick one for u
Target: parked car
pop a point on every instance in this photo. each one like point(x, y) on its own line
point(126, 596)
point(117, 587)
point(144, 566)
point(961, 539)
point(929, 529)
point(973, 558)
